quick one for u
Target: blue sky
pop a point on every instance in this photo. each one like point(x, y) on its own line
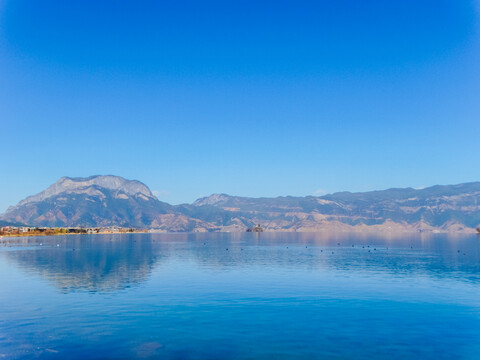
point(246, 98)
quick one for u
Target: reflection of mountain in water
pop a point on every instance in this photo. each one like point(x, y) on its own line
point(115, 262)
point(89, 263)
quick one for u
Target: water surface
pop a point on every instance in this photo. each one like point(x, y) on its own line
point(240, 296)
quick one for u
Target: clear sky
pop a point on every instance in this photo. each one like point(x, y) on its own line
point(241, 97)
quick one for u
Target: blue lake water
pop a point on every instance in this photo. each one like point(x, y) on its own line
point(240, 296)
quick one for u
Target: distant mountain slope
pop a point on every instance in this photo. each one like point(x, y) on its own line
point(112, 200)
point(436, 205)
point(98, 201)
point(450, 207)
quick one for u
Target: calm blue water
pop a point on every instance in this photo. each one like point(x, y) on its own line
point(240, 296)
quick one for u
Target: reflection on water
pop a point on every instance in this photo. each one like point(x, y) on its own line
point(240, 296)
point(113, 262)
point(87, 263)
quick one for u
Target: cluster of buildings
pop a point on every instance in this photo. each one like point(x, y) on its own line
point(35, 231)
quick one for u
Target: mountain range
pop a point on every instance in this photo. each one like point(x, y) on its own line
point(100, 201)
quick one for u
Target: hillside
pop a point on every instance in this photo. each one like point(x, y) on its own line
point(447, 208)
point(112, 200)
point(98, 201)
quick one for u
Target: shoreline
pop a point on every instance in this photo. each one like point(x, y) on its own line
point(58, 234)
point(326, 231)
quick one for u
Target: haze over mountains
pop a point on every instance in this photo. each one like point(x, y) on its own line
point(99, 201)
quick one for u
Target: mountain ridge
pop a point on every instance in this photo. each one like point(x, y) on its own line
point(130, 187)
point(108, 200)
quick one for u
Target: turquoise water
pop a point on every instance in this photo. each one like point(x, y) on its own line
point(240, 296)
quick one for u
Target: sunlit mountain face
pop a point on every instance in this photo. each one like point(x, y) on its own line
point(100, 201)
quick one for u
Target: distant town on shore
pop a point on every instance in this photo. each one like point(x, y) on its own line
point(43, 231)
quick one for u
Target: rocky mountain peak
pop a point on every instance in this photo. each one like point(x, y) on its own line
point(79, 184)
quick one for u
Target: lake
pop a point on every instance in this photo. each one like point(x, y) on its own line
point(240, 296)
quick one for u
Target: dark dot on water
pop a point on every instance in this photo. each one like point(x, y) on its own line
point(368, 250)
point(226, 249)
point(363, 247)
point(332, 252)
point(375, 249)
point(458, 251)
point(321, 250)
